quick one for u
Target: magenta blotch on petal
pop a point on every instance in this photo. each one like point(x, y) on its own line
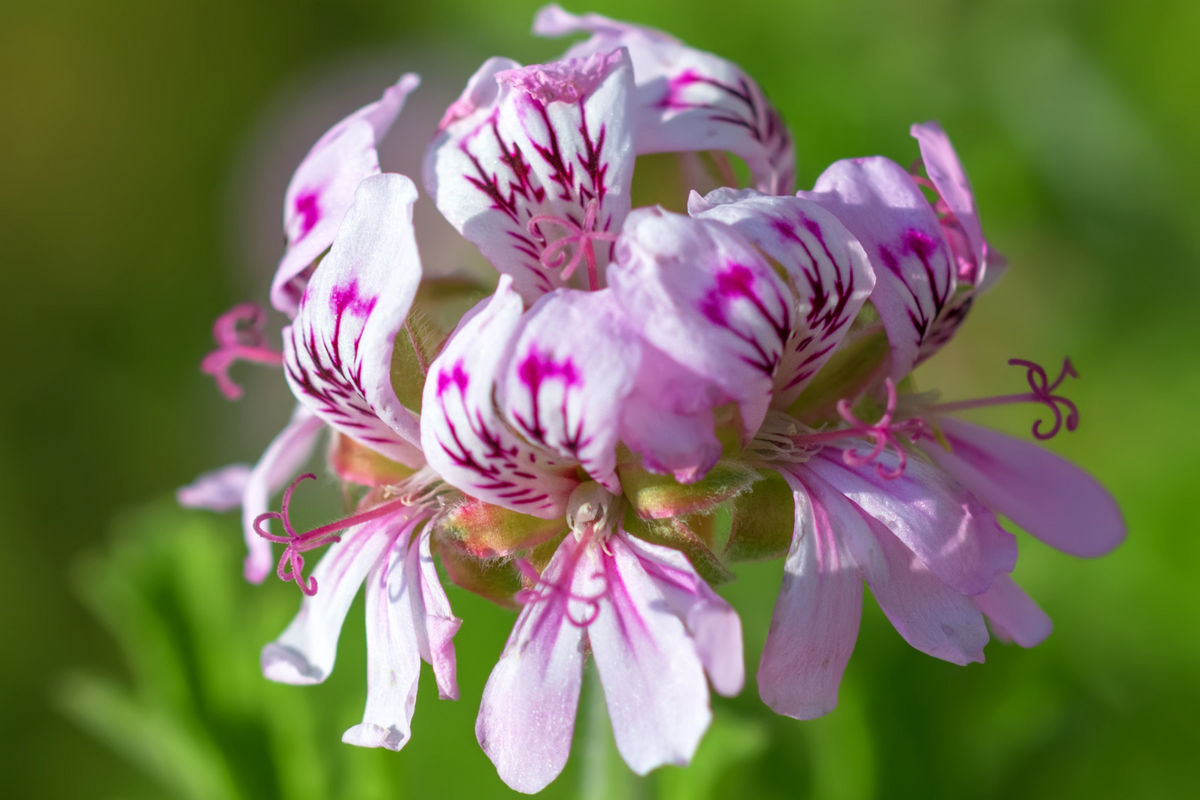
point(323, 187)
point(338, 351)
point(700, 293)
point(465, 438)
point(828, 269)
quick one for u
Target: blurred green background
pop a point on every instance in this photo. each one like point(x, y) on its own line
point(144, 148)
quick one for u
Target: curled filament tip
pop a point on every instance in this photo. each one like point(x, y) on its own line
point(291, 563)
point(239, 336)
point(1043, 392)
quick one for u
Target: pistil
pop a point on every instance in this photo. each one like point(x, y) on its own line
point(1041, 391)
point(554, 255)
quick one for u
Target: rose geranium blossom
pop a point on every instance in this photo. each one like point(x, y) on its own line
point(645, 398)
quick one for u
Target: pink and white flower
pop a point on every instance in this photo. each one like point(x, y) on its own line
point(566, 447)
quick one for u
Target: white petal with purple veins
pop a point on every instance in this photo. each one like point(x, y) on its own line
point(338, 351)
point(830, 275)
point(322, 189)
point(466, 440)
point(523, 142)
point(701, 293)
point(572, 365)
point(885, 210)
point(687, 100)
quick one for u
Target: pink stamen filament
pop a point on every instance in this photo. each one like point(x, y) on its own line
point(239, 336)
point(554, 255)
point(884, 433)
point(291, 563)
point(1042, 391)
point(545, 590)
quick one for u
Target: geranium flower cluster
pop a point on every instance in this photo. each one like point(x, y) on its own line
point(645, 398)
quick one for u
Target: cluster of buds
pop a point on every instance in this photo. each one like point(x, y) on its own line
point(643, 398)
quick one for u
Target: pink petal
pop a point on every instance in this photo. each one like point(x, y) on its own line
point(464, 437)
point(653, 678)
point(282, 459)
point(700, 293)
point(815, 622)
point(948, 175)
point(687, 100)
point(956, 537)
point(715, 627)
point(930, 615)
point(670, 442)
point(338, 352)
point(572, 366)
point(322, 189)
point(1043, 493)
point(527, 715)
point(540, 140)
point(884, 208)
point(304, 653)
point(393, 655)
point(1013, 614)
point(217, 490)
point(830, 275)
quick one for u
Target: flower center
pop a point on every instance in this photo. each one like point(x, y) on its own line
point(239, 336)
point(555, 253)
point(591, 515)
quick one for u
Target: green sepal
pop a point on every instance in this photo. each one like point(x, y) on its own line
point(495, 579)
point(436, 309)
point(763, 521)
point(488, 531)
point(662, 497)
point(851, 370)
point(681, 534)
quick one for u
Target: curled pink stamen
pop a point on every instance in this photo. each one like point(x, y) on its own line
point(291, 563)
point(1042, 391)
point(555, 253)
point(885, 433)
point(545, 590)
point(239, 336)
